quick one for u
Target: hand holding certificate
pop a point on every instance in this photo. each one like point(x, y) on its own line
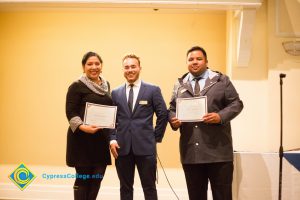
point(102, 116)
point(191, 109)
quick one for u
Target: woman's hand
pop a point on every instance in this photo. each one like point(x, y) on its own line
point(89, 128)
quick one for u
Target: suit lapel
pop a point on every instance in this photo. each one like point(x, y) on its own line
point(208, 84)
point(189, 87)
point(186, 84)
point(124, 99)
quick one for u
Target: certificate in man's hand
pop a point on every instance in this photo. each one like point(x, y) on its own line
point(191, 109)
point(102, 116)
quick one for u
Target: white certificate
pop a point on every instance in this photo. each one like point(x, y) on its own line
point(102, 116)
point(191, 109)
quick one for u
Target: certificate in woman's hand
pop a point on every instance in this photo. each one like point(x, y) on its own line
point(102, 116)
point(191, 109)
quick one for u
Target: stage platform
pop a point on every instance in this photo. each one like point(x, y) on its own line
point(255, 178)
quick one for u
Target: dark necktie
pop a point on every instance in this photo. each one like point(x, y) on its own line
point(197, 86)
point(130, 98)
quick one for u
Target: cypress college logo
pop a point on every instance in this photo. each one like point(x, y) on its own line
point(22, 176)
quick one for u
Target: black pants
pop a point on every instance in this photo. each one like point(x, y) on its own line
point(88, 181)
point(218, 174)
point(146, 166)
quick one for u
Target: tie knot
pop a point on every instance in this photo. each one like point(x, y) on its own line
point(197, 78)
point(131, 85)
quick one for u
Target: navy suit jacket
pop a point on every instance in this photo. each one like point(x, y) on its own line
point(135, 130)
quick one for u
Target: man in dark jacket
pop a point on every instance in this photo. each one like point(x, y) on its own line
point(206, 146)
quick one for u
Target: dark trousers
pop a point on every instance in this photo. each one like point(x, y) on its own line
point(146, 166)
point(88, 181)
point(218, 174)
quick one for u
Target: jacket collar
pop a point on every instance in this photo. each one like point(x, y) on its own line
point(213, 77)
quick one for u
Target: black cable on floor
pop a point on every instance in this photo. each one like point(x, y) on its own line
point(166, 178)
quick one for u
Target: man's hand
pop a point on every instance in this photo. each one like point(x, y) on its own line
point(175, 122)
point(212, 118)
point(114, 149)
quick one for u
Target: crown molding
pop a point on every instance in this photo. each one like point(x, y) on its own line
point(177, 4)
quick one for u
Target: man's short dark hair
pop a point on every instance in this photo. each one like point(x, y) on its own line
point(197, 48)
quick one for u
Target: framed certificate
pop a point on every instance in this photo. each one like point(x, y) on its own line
point(102, 116)
point(191, 109)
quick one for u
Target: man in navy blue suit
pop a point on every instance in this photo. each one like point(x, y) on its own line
point(133, 143)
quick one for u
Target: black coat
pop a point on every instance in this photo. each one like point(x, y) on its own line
point(84, 149)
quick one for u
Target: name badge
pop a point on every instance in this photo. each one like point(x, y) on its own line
point(182, 91)
point(143, 102)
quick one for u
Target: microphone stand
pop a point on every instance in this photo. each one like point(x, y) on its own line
point(281, 76)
